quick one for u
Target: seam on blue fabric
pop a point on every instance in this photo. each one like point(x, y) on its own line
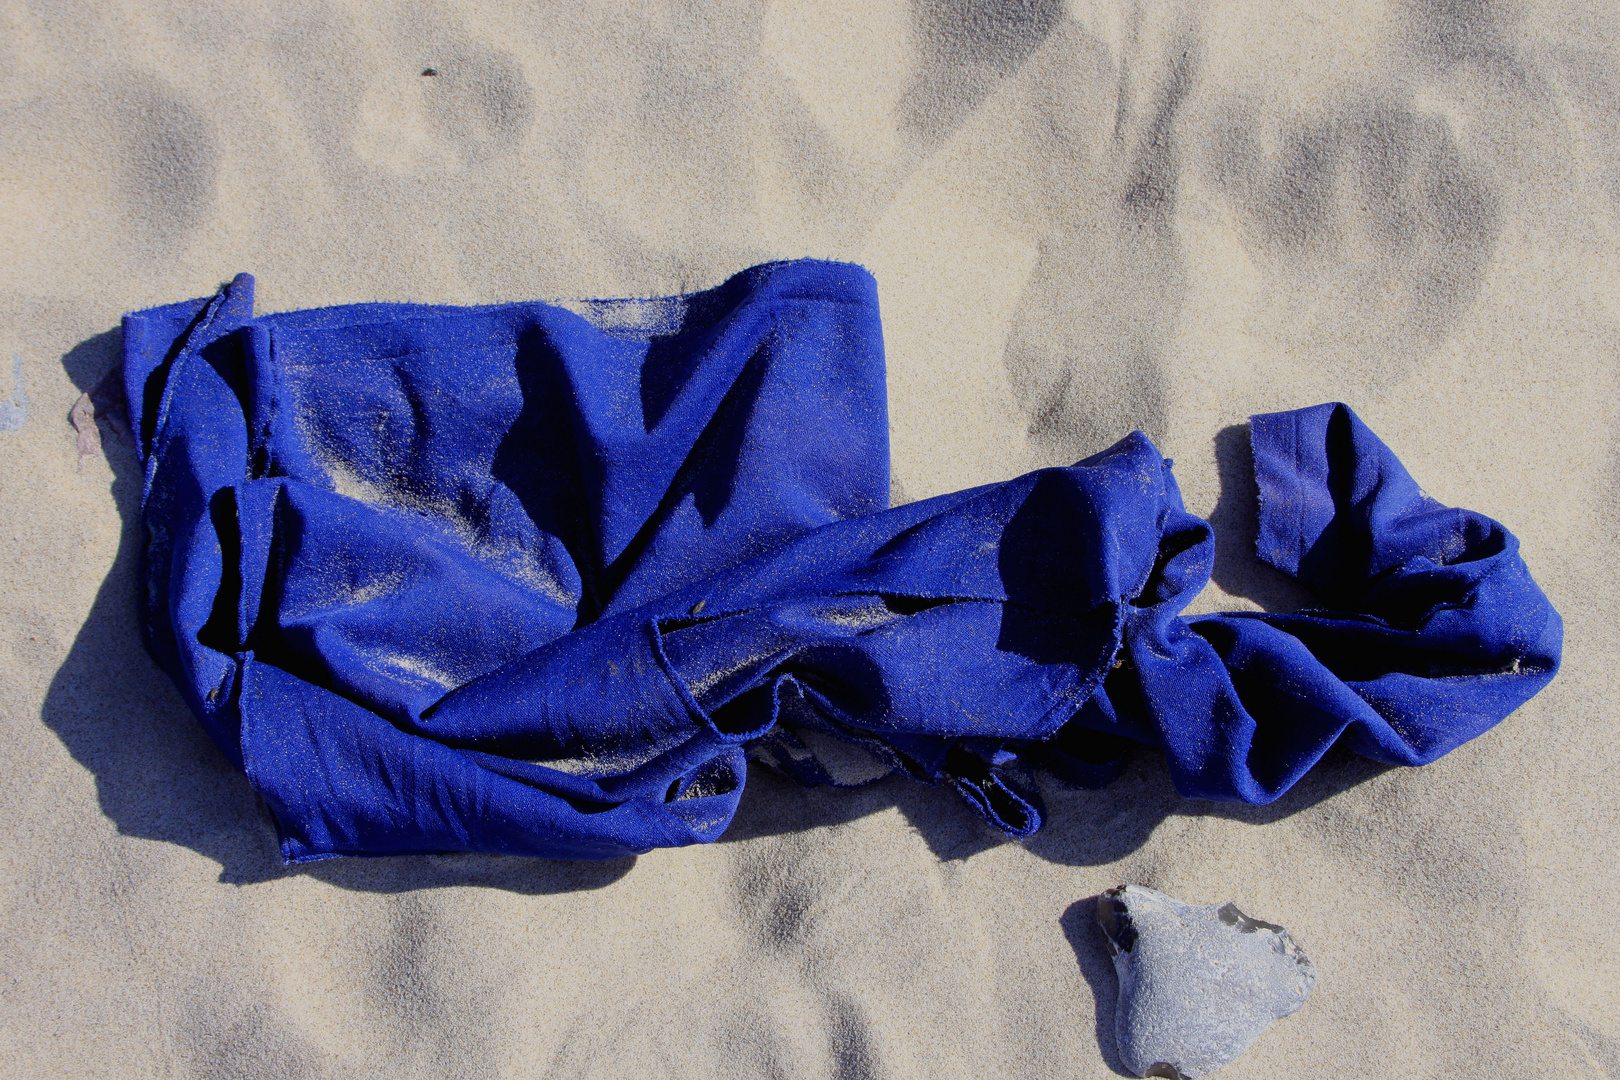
point(1297, 497)
point(246, 739)
point(261, 392)
point(160, 423)
point(1075, 698)
point(656, 639)
point(1160, 519)
point(559, 305)
point(1260, 505)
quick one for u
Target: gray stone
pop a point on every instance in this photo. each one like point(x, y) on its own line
point(1197, 983)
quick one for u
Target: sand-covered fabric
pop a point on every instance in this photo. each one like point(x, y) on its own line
point(1082, 220)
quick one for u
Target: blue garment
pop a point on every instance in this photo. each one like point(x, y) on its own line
point(536, 579)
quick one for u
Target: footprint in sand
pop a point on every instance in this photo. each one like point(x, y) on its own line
point(479, 101)
point(170, 162)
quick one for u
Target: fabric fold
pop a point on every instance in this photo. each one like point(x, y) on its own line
point(541, 578)
point(1435, 632)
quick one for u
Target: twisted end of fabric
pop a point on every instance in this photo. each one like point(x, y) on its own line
point(1431, 629)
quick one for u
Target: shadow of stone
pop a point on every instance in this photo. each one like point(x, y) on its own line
point(158, 777)
point(1079, 924)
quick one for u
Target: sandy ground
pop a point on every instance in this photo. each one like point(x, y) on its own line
point(1082, 221)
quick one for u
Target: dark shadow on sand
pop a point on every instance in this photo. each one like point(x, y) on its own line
point(1083, 827)
point(1079, 924)
point(772, 804)
point(159, 777)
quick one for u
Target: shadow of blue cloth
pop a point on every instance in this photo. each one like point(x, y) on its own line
point(538, 579)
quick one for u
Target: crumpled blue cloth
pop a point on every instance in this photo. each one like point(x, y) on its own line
point(538, 579)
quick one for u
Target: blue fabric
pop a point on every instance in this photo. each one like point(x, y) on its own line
point(539, 579)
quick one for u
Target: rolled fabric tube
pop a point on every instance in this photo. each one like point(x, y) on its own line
point(541, 578)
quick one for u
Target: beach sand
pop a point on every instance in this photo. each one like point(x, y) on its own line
point(1082, 221)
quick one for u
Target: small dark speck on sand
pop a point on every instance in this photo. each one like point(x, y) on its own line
point(428, 73)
